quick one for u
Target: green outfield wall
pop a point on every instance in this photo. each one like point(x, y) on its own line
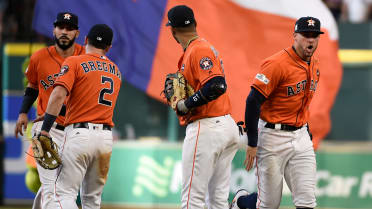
point(149, 174)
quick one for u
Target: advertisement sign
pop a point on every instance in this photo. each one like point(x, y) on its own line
point(149, 174)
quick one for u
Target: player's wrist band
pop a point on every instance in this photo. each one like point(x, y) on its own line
point(195, 100)
point(63, 110)
point(48, 122)
point(28, 99)
point(210, 91)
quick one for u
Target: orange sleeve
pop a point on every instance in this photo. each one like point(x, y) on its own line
point(31, 71)
point(268, 78)
point(67, 75)
point(205, 65)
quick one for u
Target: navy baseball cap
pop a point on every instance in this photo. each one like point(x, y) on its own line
point(180, 16)
point(66, 18)
point(101, 33)
point(308, 24)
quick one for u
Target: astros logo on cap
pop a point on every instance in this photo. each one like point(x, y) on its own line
point(311, 22)
point(67, 16)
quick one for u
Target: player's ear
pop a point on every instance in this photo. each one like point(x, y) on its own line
point(173, 31)
point(108, 48)
point(77, 33)
point(85, 40)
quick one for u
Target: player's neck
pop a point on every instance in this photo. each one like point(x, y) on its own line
point(65, 53)
point(186, 39)
point(301, 54)
point(93, 50)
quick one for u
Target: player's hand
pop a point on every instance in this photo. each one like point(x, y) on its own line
point(181, 107)
point(39, 118)
point(44, 133)
point(21, 124)
point(250, 156)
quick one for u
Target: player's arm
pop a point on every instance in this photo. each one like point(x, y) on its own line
point(55, 103)
point(29, 97)
point(210, 91)
point(252, 113)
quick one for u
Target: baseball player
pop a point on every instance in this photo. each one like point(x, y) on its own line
point(41, 73)
point(212, 136)
point(92, 82)
point(277, 112)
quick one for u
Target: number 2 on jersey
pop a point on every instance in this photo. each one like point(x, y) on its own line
point(104, 91)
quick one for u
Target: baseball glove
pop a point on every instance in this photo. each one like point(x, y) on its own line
point(45, 152)
point(176, 88)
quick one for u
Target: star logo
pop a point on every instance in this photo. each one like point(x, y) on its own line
point(206, 63)
point(311, 22)
point(67, 16)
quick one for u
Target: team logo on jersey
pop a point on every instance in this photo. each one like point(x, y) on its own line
point(183, 67)
point(206, 63)
point(64, 70)
point(262, 78)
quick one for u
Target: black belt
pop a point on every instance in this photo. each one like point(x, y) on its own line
point(86, 125)
point(60, 127)
point(283, 127)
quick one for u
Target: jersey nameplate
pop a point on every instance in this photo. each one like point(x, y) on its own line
point(91, 66)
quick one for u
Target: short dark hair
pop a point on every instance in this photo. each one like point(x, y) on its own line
point(97, 45)
point(189, 28)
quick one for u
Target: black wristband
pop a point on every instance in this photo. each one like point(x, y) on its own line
point(48, 122)
point(63, 110)
point(29, 98)
point(195, 100)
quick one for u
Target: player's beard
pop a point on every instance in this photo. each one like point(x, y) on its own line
point(62, 44)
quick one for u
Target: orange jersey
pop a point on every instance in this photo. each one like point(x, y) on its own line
point(199, 63)
point(93, 83)
point(30, 160)
point(44, 67)
point(288, 83)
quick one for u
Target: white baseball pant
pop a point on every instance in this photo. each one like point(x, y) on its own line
point(289, 154)
point(209, 147)
point(45, 195)
point(85, 157)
